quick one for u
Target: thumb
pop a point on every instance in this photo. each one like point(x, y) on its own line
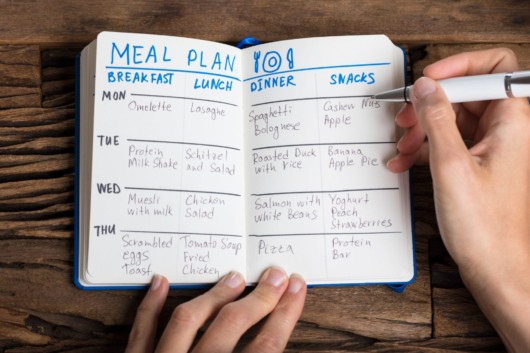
point(437, 118)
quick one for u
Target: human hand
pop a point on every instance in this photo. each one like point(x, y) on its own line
point(481, 194)
point(276, 295)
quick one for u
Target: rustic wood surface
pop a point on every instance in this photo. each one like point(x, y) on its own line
point(40, 308)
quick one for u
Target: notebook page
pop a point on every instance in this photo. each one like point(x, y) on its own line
point(321, 201)
point(167, 178)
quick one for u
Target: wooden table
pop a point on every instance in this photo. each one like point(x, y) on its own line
point(42, 311)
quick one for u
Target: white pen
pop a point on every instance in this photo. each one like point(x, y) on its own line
point(472, 88)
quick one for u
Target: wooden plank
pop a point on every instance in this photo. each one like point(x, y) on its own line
point(28, 188)
point(57, 294)
point(457, 314)
point(20, 65)
point(58, 77)
point(34, 166)
point(17, 97)
point(36, 131)
point(36, 159)
point(59, 226)
point(50, 252)
point(19, 76)
point(58, 93)
point(434, 53)
point(325, 337)
point(36, 208)
point(28, 120)
point(342, 342)
point(96, 345)
point(422, 21)
point(43, 332)
point(21, 334)
point(456, 345)
point(447, 345)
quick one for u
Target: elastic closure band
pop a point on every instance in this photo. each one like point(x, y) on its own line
point(247, 42)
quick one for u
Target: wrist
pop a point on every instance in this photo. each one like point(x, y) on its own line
point(502, 291)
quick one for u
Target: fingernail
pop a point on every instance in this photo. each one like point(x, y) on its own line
point(296, 282)
point(233, 280)
point(275, 277)
point(390, 161)
point(401, 110)
point(398, 145)
point(157, 280)
point(423, 88)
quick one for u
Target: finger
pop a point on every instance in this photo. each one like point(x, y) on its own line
point(406, 117)
point(438, 120)
point(403, 162)
point(275, 333)
point(188, 317)
point(509, 132)
point(412, 140)
point(142, 336)
point(467, 122)
point(411, 144)
point(236, 318)
point(474, 63)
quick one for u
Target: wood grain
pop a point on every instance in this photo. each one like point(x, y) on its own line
point(36, 208)
point(58, 77)
point(19, 76)
point(40, 308)
point(422, 21)
point(432, 53)
point(457, 314)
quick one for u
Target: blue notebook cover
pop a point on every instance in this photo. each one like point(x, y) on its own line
point(398, 287)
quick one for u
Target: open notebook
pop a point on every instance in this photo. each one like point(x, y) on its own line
point(196, 158)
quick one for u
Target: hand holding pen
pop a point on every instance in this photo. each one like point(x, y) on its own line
point(472, 88)
point(479, 157)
